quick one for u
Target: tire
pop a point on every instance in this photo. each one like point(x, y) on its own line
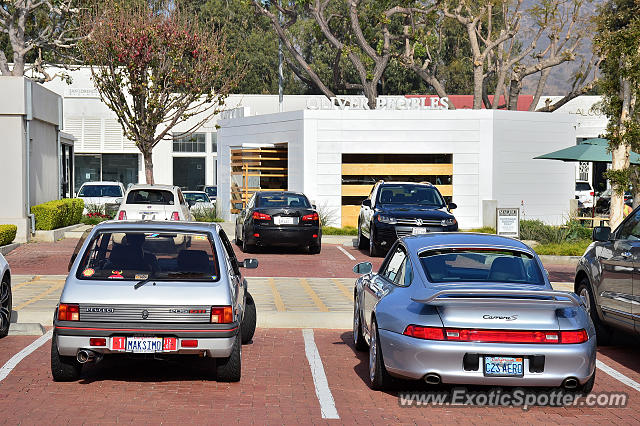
point(229, 369)
point(374, 251)
point(248, 327)
point(358, 338)
point(238, 239)
point(246, 248)
point(379, 378)
point(362, 241)
point(63, 368)
point(603, 333)
point(588, 386)
point(5, 306)
point(315, 248)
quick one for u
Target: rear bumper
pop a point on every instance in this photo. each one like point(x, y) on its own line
point(413, 358)
point(300, 235)
point(213, 341)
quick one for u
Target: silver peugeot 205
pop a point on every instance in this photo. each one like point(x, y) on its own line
point(153, 289)
point(474, 309)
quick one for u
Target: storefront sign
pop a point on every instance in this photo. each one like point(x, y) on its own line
point(508, 222)
point(81, 92)
point(382, 103)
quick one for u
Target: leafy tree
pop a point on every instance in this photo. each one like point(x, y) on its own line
point(618, 43)
point(155, 68)
point(34, 33)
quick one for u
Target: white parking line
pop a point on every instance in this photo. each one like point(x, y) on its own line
point(15, 360)
point(618, 375)
point(327, 404)
point(347, 253)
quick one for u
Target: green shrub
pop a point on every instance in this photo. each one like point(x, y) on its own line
point(572, 248)
point(347, 230)
point(58, 213)
point(206, 215)
point(536, 230)
point(483, 230)
point(7, 234)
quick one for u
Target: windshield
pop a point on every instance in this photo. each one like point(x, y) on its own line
point(150, 196)
point(481, 265)
point(161, 256)
point(211, 191)
point(197, 197)
point(282, 200)
point(583, 186)
point(410, 194)
point(100, 191)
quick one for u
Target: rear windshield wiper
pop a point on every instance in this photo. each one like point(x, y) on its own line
point(143, 282)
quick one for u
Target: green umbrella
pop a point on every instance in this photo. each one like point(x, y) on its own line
point(589, 150)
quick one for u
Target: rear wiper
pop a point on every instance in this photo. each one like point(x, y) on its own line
point(143, 282)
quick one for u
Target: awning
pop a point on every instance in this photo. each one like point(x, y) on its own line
point(590, 150)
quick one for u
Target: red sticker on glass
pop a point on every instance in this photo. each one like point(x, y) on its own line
point(88, 272)
point(116, 274)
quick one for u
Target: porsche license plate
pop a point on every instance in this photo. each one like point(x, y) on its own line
point(503, 366)
point(144, 344)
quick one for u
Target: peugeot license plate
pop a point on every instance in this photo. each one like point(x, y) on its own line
point(418, 231)
point(144, 344)
point(503, 366)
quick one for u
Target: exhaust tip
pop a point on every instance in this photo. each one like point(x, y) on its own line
point(84, 356)
point(432, 379)
point(570, 383)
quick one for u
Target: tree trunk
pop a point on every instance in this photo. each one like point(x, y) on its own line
point(514, 93)
point(478, 80)
point(371, 93)
point(148, 166)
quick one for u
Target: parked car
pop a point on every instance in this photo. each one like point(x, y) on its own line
point(584, 194)
point(605, 278)
point(397, 209)
point(5, 296)
point(212, 191)
point(145, 296)
point(603, 201)
point(154, 202)
point(101, 193)
point(198, 200)
point(473, 309)
point(278, 217)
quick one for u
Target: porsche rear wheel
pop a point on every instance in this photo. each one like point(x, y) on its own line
point(358, 337)
point(379, 378)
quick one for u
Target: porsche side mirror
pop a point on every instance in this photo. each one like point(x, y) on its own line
point(249, 263)
point(601, 233)
point(363, 268)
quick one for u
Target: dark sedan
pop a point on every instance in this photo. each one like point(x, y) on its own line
point(278, 217)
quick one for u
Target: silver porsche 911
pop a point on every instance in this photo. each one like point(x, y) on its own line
point(474, 309)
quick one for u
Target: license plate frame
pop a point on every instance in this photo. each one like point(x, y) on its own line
point(144, 345)
point(418, 231)
point(499, 366)
point(285, 220)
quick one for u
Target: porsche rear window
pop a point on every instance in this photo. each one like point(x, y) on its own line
point(481, 265)
point(138, 256)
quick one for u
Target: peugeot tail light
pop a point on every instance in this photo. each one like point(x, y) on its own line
point(122, 215)
point(221, 315)
point(68, 312)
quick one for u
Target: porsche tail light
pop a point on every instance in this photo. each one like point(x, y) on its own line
point(261, 216)
point(175, 216)
point(310, 217)
point(427, 333)
point(496, 336)
point(221, 315)
point(68, 312)
point(122, 215)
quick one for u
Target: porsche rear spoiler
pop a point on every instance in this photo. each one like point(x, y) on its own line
point(499, 296)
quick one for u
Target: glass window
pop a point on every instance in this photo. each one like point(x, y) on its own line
point(120, 168)
point(190, 143)
point(87, 169)
point(100, 191)
point(282, 199)
point(583, 186)
point(395, 267)
point(484, 265)
point(410, 194)
point(214, 142)
point(212, 191)
point(197, 197)
point(630, 229)
point(135, 256)
point(150, 196)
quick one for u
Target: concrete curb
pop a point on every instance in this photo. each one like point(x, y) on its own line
point(54, 234)
point(560, 260)
point(26, 329)
point(5, 250)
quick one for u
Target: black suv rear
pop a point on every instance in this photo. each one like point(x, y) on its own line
point(398, 209)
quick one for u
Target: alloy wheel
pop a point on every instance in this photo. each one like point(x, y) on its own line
point(356, 321)
point(585, 295)
point(373, 352)
point(5, 304)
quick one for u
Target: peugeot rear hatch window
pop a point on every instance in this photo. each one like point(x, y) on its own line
point(150, 196)
point(138, 256)
point(100, 191)
point(410, 194)
point(481, 265)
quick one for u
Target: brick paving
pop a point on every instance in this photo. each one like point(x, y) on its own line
point(276, 388)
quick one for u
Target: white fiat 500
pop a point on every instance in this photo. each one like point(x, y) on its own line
point(132, 291)
point(154, 202)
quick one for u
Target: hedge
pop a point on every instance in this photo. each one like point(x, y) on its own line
point(7, 234)
point(58, 213)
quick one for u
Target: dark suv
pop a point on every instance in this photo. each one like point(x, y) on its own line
point(397, 209)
